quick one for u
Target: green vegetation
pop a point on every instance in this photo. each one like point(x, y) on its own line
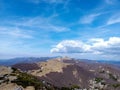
point(112, 77)
point(65, 88)
point(116, 85)
point(98, 79)
point(73, 87)
point(102, 71)
point(25, 80)
point(15, 71)
point(103, 83)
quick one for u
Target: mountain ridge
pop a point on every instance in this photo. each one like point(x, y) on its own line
point(63, 72)
point(12, 61)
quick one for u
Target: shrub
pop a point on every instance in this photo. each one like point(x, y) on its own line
point(98, 79)
point(75, 87)
point(112, 77)
point(25, 80)
point(65, 88)
point(116, 85)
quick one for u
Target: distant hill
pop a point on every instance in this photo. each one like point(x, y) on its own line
point(9, 62)
point(111, 62)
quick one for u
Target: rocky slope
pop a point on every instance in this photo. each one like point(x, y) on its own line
point(67, 72)
point(60, 74)
point(14, 79)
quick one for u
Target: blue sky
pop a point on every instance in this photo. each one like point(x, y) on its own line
point(77, 28)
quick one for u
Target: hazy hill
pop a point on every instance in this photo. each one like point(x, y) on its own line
point(9, 62)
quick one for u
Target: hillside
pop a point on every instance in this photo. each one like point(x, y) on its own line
point(14, 79)
point(67, 72)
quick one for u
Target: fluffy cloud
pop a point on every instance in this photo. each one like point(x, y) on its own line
point(94, 46)
point(71, 46)
point(111, 46)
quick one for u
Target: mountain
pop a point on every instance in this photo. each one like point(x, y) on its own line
point(112, 62)
point(9, 62)
point(71, 73)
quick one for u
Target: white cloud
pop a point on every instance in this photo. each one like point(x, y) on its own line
point(95, 46)
point(114, 19)
point(71, 46)
point(89, 18)
point(41, 23)
point(15, 32)
point(111, 46)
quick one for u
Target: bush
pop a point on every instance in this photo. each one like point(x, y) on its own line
point(98, 79)
point(65, 88)
point(25, 80)
point(112, 77)
point(15, 70)
point(116, 85)
point(75, 87)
